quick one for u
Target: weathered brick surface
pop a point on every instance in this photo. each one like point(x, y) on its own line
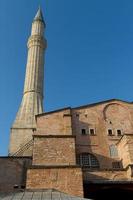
point(54, 145)
point(67, 180)
point(56, 123)
point(54, 151)
point(13, 172)
point(99, 176)
point(115, 115)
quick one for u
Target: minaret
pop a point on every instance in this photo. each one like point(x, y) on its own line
point(32, 101)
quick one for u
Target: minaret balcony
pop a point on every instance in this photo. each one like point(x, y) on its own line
point(36, 40)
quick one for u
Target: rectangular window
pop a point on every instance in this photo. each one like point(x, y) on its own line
point(83, 131)
point(91, 131)
point(119, 133)
point(116, 165)
point(110, 132)
point(78, 159)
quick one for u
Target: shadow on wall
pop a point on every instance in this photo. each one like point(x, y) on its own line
point(13, 172)
point(108, 191)
point(95, 143)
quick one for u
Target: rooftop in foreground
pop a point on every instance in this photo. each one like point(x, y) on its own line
point(37, 195)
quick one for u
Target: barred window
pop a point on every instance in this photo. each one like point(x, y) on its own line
point(89, 160)
point(116, 165)
point(113, 151)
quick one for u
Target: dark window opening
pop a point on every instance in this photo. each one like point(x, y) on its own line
point(15, 186)
point(116, 165)
point(66, 115)
point(87, 160)
point(110, 132)
point(83, 131)
point(22, 186)
point(119, 132)
point(92, 131)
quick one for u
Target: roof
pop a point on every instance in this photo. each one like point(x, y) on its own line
point(53, 111)
point(102, 102)
point(39, 16)
point(83, 106)
point(37, 195)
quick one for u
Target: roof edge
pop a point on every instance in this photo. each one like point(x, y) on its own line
point(53, 111)
point(101, 102)
point(83, 106)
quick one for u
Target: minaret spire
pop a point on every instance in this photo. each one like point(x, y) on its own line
point(39, 15)
point(32, 100)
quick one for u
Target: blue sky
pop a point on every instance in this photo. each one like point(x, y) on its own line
point(89, 56)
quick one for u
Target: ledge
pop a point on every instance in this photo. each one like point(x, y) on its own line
point(87, 169)
point(54, 136)
point(54, 111)
point(101, 182)
point(22, 128)
point(15, 157)
point(53, 166)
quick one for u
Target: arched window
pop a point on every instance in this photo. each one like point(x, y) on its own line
point(87, 159)
point(113, 151)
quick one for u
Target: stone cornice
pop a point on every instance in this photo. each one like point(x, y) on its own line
point(53, 136)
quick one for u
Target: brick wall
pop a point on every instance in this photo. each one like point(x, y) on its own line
point(114, 115)
point(13, 172)
point(55, 150)
point(67, 180)
point(55, 123)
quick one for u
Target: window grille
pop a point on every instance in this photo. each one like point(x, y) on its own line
point(116, 165)
point(88, 160)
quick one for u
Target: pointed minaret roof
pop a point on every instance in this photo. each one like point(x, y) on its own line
point(39, 15)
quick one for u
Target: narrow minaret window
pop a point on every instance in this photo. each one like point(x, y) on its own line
point(32, 100)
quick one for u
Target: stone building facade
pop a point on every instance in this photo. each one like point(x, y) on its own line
point(73, 150)
point(99, 137)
